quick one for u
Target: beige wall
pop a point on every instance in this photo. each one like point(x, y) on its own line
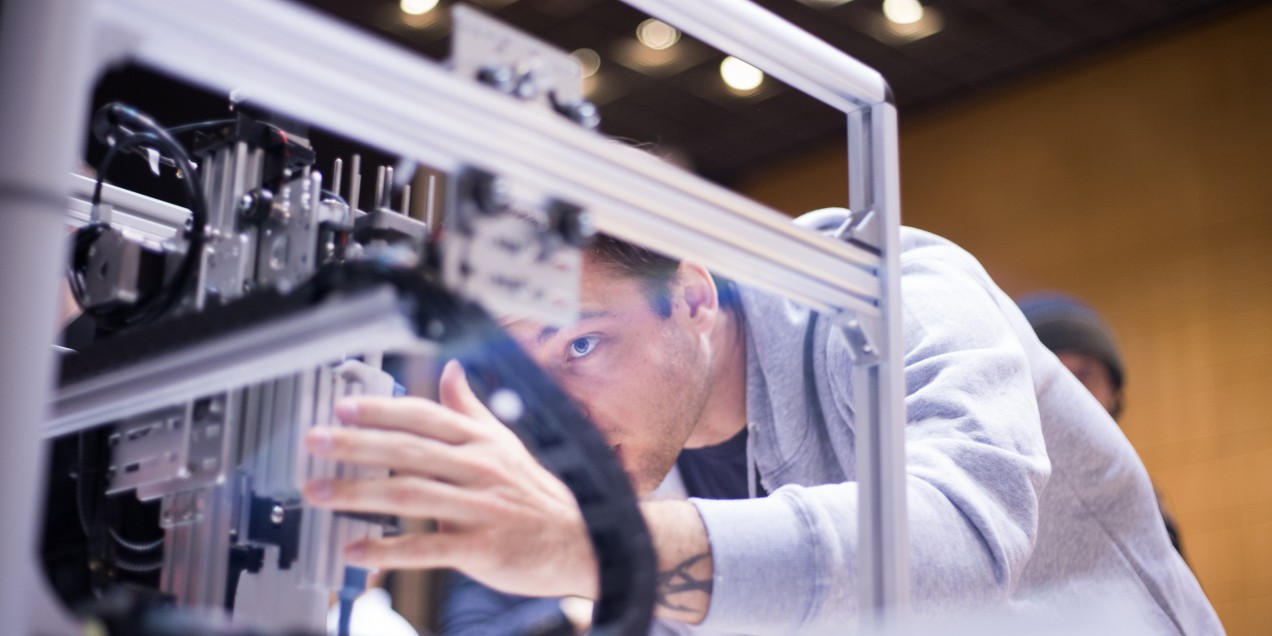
point(1141, 181)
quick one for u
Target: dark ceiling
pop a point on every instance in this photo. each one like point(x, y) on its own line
point(682, 105)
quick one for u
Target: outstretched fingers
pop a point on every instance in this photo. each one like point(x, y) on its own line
point(403, 453)
point(410, 551)
point(409, 415)
point(398, 495)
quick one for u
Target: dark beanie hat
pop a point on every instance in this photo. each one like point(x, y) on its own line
point(1064, 323)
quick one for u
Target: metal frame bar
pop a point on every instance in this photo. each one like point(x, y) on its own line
point(882, 518)
point(152, 218)
point(776, 47)
point(44, 84)
point(371, 321)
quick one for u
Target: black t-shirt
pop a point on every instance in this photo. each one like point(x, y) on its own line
point(717, 472)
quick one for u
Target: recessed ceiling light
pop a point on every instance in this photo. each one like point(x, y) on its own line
point(903, 11)
point(589, 61)
point(896, 34)
point(824, 4)
point(657, 35)
point(739, 75)
point(417, 7)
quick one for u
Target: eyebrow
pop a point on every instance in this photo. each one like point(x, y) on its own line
point(548, 332)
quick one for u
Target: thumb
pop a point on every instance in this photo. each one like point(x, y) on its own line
point(455, 394)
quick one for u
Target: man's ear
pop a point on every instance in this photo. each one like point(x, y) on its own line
point(697, 290)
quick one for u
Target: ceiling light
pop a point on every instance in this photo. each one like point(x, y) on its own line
point(417, 7)
point(824, 4)
point(739, 75)
point(657, 35)
point(903, 11)
point(894, 34)
point(589, 61)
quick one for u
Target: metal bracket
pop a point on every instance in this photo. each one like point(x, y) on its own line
point(172, 449)
point(516, 64)
point(863, 229)
point(513, 251)
point(862, 339)
point(276, 523)
point(183, 508)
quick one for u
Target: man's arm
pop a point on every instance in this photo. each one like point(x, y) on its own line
point(684, 560)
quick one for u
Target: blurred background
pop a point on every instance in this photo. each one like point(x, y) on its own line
point(1115, 150)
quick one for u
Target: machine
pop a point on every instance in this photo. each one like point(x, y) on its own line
point(215, 332)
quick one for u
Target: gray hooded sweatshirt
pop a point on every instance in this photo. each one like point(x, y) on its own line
point(1024, 497)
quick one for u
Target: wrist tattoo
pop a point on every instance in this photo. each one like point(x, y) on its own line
point(679, 580)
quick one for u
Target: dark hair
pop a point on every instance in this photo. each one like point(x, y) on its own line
point(654, 270)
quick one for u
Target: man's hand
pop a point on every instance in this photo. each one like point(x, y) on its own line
point(502, 518)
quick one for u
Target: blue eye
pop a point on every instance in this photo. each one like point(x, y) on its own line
point(580, 347)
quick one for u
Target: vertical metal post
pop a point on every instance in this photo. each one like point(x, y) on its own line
point(884, 576)
point(44, 84)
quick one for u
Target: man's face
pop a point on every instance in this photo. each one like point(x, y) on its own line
point(1093, 374)
point(641, 377)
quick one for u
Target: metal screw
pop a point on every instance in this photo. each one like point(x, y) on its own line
point(277, 514)
point(280, 213)
point(493, 194)
point(583, 113)
point(499, 76)
point(525, 88)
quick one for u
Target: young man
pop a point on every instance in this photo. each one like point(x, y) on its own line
point(1023, 496)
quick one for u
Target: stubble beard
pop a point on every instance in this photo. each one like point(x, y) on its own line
point(684, 387)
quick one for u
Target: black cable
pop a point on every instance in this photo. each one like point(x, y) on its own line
point(123, 129)
point(200, 125)
point(137, 567)
point(136, 546)
point(82, 507)
point(81, 491)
